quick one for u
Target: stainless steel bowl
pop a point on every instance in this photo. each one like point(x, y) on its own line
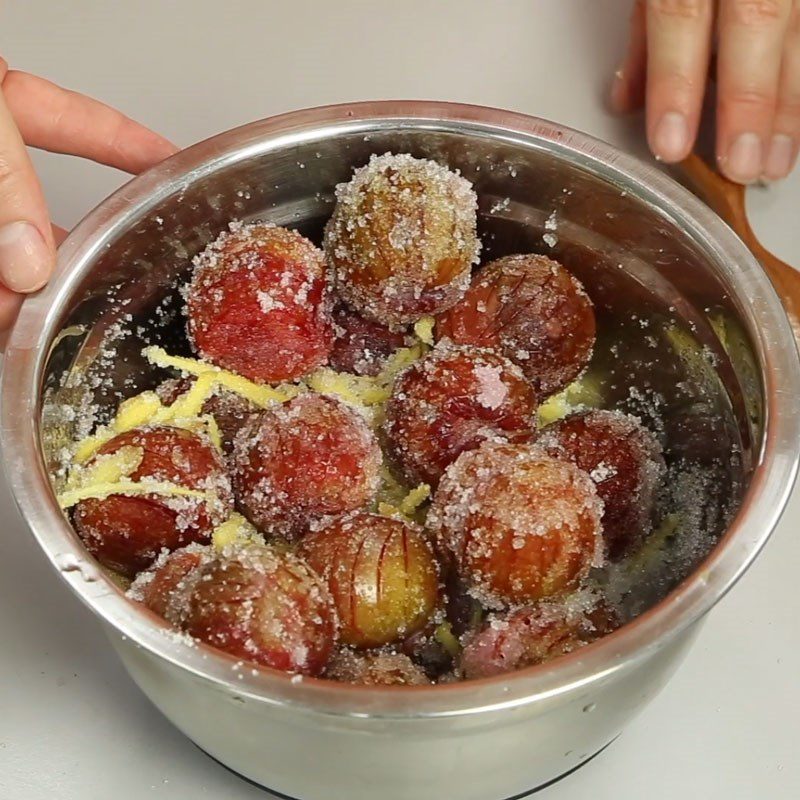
point(655, 261)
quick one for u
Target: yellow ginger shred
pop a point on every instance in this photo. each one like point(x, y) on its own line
point(213, 431)
point(107, 469)
point(136, 412)
point(401, 359)
point(147, 409)
point(190, 403)
point(99, 491)
point(389, 510)
point(447, 639)
point(423, 330)
point(585, 392)
point(408, 505)
point(356, 390)
point(87, 447)
point(235, 530)
point(110, 474)
point(390, 491)
point(258, 394)
point(364, 390)
point(414, 499)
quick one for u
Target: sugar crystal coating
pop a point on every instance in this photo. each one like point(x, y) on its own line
point(402, 238)
point(451, 401)
point(382, 574)
point(265, 606)
point(624, 460)
point(363, 346)
point(258, 303)
point(534, 311)
point(167, 586)
point(376, 668)
point(501, 579)
point(299, 463)
point(127, 533)
point(533, 635)
point(518, 525)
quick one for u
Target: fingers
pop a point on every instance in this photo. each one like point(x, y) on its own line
point(62, 121)
point(751, 44)
point(757, 68)
point(667, 64)
point(27, 250)
point(783, 147)
point(43, 115)
point(678, 52)
point(628, 87)
point(10, 303)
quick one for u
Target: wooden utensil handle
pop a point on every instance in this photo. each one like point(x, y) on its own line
point(728, 200)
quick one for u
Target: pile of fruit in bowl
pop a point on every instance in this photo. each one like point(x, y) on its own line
point(374, 469)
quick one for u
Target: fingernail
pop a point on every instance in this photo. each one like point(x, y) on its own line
point(780, 157)
point(743, 163)
point(671, 137)
point(25, 259)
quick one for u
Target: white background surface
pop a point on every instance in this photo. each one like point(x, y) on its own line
point(72, 725)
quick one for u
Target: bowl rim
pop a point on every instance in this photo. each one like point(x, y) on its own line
point(772, 481)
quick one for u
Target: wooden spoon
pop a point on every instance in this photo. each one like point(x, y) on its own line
point(728, 200)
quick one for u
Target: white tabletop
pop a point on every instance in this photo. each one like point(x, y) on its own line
point(72, 725)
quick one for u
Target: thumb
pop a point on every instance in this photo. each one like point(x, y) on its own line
point(27, 249)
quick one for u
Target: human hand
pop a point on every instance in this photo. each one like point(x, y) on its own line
point(757, 74)
point(38, 113)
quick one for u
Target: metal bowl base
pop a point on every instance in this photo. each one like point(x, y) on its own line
point(529, 793)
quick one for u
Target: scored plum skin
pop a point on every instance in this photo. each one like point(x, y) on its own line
point(264, 606)
point(299, 463)
point(382, 575)
point(451, 401)
point(165, 588)
point(127, 533)
point(534, 635)
point(259, 304)
point(625, 461)
point(534, 311)
point(402, 238)
point(516, 524)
